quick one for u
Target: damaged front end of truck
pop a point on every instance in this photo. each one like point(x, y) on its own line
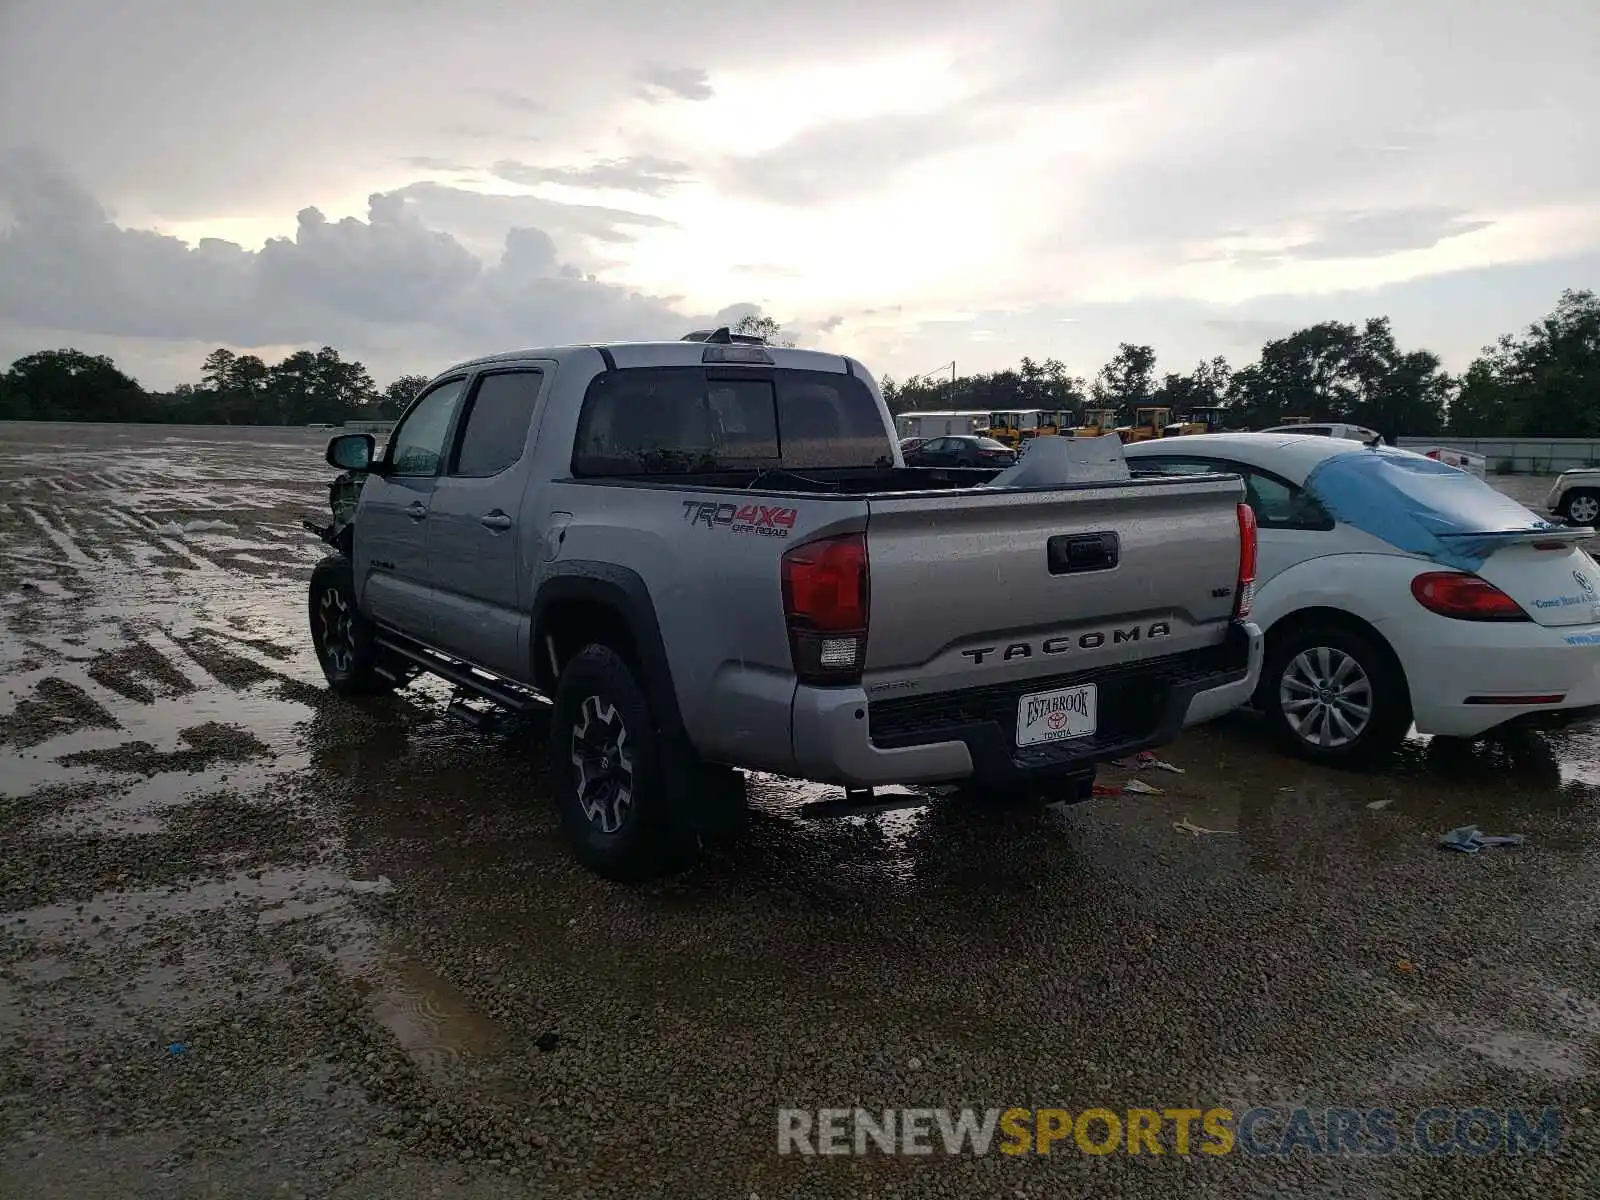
point(353, 454)
point(344, 493)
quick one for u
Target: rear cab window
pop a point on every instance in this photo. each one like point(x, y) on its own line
point(687, 420)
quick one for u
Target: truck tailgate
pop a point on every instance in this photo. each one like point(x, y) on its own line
point(979, 588)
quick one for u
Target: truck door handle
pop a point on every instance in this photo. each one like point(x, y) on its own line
point(416, 510)
point(1069, 553)
point(495, 520)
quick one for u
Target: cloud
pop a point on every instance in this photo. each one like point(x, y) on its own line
point(1072, 48)
point(1370, 234)
point(479, 217)
point(645, 174)
point(768, 270)
point(516, 101)
point(383, 282)
point(388, 268)
point(428, 162)
point(674, 83)
point(835, 160)
point(1247, 331)
point(465, 130)
point(1374, 234)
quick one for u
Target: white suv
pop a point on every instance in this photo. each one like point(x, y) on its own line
point(1337, 429)
point(1576, 496)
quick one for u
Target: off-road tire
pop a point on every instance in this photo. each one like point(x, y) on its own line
point(609, 771)
point(1290, 680)
point(343, 638)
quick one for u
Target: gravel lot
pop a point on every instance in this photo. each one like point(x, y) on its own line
point(261, 942)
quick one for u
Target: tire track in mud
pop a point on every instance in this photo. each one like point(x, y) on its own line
point(130, 520)
point(117, 583)
point(62, 539)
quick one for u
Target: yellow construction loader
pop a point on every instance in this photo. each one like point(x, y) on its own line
point(1096, 422)
point(1196, 420)
point(1148, 422)
point(1013, 428)
point(1054, 423)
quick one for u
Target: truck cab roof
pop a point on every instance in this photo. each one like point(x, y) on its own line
point(624, 355)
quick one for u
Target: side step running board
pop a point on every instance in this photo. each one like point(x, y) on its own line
point(496, 691)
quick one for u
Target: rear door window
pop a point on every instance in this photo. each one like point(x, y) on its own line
point(497, 423)
point(675, 420)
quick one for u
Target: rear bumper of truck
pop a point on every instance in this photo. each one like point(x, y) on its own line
point(840, 737)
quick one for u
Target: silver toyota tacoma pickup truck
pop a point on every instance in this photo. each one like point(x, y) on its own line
point(709, 554)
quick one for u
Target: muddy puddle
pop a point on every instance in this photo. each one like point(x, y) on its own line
point(435, 1024)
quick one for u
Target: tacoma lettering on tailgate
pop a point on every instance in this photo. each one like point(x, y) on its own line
point(741, 518)
point(1067, 642)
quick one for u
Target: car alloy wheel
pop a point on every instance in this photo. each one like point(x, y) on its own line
point(1584, 509)
point(338, 630)
point(1326, 697)
point(604, 765)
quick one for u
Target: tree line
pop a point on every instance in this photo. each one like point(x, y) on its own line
point(306, 387)
point(1543, 382)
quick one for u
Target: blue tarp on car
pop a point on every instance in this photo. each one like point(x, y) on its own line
point(1420, 505)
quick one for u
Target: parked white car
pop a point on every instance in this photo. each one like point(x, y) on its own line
point(1395, 589)
point(1333, 429)
point(1576, 496)
point(1464, 460)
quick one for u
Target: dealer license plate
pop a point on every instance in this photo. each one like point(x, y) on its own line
point(1068, 712)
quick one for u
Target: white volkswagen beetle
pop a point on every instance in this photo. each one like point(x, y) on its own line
point(1396, 589)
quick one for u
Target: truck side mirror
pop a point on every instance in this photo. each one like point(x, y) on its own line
point(352, 451)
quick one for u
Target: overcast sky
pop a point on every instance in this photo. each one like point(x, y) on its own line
point(415, 181)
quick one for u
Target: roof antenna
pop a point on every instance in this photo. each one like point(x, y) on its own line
point(1377, 440)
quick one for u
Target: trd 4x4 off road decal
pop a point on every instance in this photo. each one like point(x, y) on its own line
point(741, 518)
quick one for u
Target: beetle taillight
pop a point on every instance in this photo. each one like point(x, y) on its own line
point(1464, 597)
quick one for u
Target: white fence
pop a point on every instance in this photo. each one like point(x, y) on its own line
point(1526, 456)
point(377, 427)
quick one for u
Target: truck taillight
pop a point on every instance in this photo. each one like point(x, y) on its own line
point(1245, 592)
point(825, 598)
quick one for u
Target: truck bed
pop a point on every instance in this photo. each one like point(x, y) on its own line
point(860, 483)
point(976, 594)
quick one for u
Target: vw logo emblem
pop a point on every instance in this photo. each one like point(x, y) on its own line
point(1583, 582)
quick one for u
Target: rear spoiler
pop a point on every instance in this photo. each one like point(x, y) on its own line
point(1481, 545)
